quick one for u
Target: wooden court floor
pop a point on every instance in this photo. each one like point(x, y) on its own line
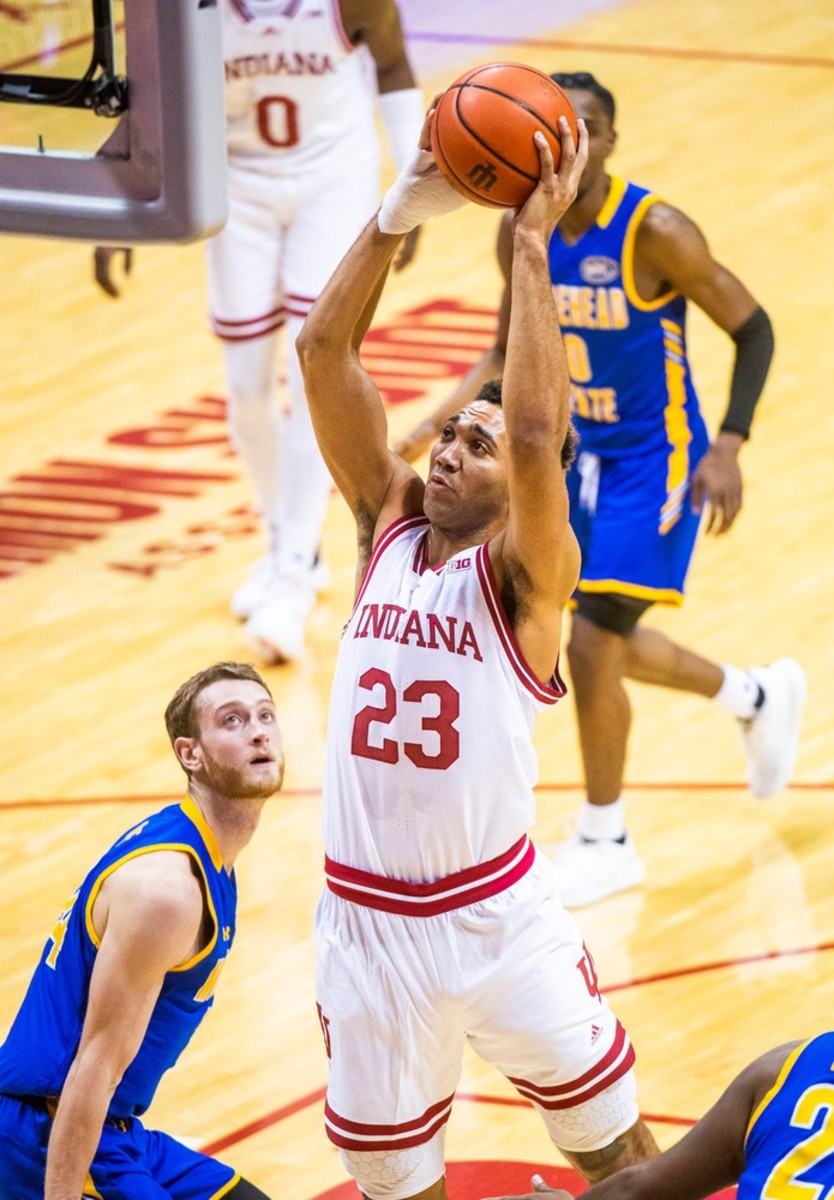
point(114, 452)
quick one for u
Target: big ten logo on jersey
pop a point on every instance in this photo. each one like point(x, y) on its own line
point(59, 932)
point(458, 564)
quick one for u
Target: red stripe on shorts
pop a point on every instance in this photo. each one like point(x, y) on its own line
point(611, 1067)
point(358, 1135)
point(440, 895)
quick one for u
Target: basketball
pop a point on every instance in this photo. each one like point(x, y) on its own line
point(482, 131)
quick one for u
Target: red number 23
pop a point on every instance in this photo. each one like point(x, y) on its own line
point(440, 722)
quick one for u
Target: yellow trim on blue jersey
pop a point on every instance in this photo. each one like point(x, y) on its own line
point(678, 433)
point(182, 848)
point(657, 595)
point(224, 1191)
point(787, 1067)
point(629, 285)
point(616, 191)
point(193, 813)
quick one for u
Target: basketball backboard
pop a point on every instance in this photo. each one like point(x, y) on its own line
point(155, 173)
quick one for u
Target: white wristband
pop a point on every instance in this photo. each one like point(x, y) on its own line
point(418, 193)
point(402, 114)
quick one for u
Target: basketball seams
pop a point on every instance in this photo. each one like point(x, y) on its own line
point(483, 126)
point(457, 183)
point(473, 133)
point(480, 87)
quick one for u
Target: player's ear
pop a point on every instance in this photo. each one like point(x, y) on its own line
point(187, 751)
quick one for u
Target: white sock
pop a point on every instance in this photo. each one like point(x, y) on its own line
point(256, 419)
point(602, 822)
point(739, 693)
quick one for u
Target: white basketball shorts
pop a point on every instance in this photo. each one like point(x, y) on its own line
point(399, 995)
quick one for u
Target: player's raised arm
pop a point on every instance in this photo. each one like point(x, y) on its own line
point(538, 551)
point(489, 366)
point(345, 404)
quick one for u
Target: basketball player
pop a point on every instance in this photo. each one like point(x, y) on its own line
point(440, 924)
point(130, 968)
point(770, 1133)
point(301, 80)
point(623, 264)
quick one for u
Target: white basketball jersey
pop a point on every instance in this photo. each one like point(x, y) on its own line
point(297, 91)
point(430, 762)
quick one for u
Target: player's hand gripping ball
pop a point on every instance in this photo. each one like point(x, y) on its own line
point(482, 131)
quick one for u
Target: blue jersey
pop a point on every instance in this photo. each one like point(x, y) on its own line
point(789, 1148)
point(631, 388)
point(44, 1037)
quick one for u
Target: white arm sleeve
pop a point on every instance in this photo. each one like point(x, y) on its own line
point(402, 115)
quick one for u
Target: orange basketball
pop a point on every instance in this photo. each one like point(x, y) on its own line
point(482, 131)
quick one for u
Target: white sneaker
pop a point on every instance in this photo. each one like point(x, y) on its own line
point(255, 589)
point(589, 871)
point(771, 736)
point(276, 627)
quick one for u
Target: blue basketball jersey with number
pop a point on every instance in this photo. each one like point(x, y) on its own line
point(44, 1037)
point(789, 1148)
point(631, 387)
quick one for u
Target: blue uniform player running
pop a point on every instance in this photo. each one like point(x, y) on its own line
point(772, 1133)
point(130, 967)
point(624, 265)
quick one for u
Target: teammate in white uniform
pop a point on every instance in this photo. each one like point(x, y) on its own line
point(302, 77)
point(440, 923)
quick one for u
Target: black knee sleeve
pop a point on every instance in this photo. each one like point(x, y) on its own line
point(608, 610)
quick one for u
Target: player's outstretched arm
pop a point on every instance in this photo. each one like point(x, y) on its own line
point(148, 916)
point(538, 553)
point(489, 366)
point(675, 251)
point(345, 404)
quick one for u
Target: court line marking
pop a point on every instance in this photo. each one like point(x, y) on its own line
point(688, 785)
point(640, 51)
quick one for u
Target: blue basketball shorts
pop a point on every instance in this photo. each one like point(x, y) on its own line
point(636, 534)
point(131, 1163)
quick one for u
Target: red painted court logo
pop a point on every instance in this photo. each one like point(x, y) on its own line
point(479, 1179)
point(66, 503)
